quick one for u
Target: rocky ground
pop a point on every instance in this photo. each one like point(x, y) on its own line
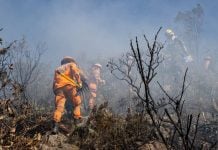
point(103, 130)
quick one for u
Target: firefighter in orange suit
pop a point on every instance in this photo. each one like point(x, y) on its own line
point(66, 83)
point(94, 81)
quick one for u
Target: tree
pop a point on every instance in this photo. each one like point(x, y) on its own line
point(166, 111)
point(27, 64)
point(18, 118)
point(192, 22)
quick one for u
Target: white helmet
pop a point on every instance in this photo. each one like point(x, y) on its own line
point(169, 32)
point(207, 58)
point(97, 65)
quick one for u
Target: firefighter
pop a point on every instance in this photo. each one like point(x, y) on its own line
point(176, 59)
point(94, 81)
point(207, 62)
point(67, 82)
point(176, 48)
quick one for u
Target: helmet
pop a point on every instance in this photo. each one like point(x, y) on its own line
point(169, 32)
point(97, 65)
point(130, 57)
point(67, 59)
point(207, 58)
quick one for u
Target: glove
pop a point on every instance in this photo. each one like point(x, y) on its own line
point(79, 91)
point(80, 85)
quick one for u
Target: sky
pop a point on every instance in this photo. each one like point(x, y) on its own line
point(96, 28)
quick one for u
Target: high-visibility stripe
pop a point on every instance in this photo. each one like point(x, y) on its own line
point(69, 79)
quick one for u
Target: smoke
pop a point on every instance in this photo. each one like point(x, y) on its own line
point(93, 31)
point(94, 28)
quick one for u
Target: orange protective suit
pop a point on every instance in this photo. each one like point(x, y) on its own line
point(64, 89)
point(94, 80)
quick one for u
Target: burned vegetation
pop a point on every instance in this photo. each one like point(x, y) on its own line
point(154, 121)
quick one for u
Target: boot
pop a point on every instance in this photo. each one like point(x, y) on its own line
point(77, 121)
point(55, 128)
point(80, 122)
